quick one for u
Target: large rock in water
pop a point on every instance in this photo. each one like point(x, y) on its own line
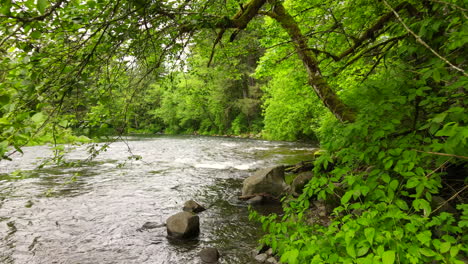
point(183, 225)
point(300, 181)
point(270, 181)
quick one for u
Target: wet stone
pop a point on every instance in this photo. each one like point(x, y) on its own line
point(261, 257)
point(150, 225)
point(257, 200)
point(194, 207)
point(183, 225)
point(271, 260)
point(209, 255)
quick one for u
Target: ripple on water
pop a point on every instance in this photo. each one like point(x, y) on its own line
point(93, 212)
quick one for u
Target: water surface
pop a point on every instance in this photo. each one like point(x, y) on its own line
point(92, 213)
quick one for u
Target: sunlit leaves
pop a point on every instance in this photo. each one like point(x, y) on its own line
point(42, 5)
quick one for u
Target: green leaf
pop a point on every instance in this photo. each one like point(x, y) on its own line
point(351, 250)
point(401, 204)
point(393, 185)
point(5, 7)
point(424, 237)
point(38, 117)
point(388, 164)
point(412, 182)
point(4, 121)
point(388, 257)
point(347, 196)
point(290, 256)
point(439, 118)
point(4, 99)
point(369, 233)
point(42, 5)
point(445, 247)
point(35, 34)
point(436, 75)
point(91, 4)
point(427, 252)
point(454, 251)
point(3, 147)
point(63, 123)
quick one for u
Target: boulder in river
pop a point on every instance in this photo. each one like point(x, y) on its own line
point(183, 225)
point(269, 181)
point(300, 181)
point(194, 207)
point(209, 255)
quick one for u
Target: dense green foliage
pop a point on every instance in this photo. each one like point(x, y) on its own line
point(394, 70)
point(380, 173)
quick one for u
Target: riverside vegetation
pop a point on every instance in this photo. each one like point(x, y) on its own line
point(380, 84)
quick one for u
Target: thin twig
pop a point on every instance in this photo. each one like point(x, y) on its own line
point(441, 154)
point(450, 4)
point(422, 42)
point(451, 198)
point(438, 168)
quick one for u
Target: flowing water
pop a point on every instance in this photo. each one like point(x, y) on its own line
point(93, 212)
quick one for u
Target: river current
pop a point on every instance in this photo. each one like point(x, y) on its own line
point(93, 212)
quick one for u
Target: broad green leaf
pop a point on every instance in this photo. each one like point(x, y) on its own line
point(388, 257)
point(369, 233)
point(445, 247)
point(38, 117)
point(424, 237)
point(4, 99)
point(63, 123)
point(412, 182)
point(347, 196)
point(393, 185)
point(290, 256)
point(439, 118)
point(35, 34)
point(401, 204)
point(5, 7)
point(454, 251)
point(3, 147)
point(4, 121)
point(351, 250)
point(427, 252)
point(42, 5)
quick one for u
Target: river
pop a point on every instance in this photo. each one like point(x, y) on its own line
point(93, 212)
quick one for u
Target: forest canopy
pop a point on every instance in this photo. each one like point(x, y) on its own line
point(380, 84)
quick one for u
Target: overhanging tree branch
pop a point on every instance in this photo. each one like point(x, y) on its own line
point(370, 33)
point(315, 78)
point(421, 41)
point(38, 18)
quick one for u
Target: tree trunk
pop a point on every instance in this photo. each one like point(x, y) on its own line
point(315, 78)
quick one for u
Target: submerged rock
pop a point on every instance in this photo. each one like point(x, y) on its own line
point(209, 255)
point(150, 225)
point(269, 181)
point(194, 207)
point(183, 225)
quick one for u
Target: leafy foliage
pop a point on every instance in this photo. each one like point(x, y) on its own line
point(381, 172)
point(394, 69)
